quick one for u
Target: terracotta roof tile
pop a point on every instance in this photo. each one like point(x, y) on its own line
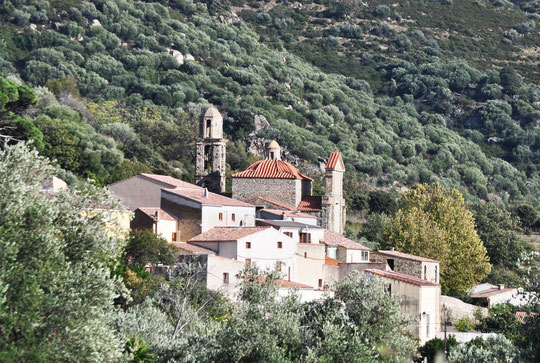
point(269, 201)
point(226, 234)
point(288, 214)
point(402, 277)
point(198, 195)
point(277, 169)
point(163, 215)
point(333, 160)
point(330, 261)
point(193, 249)
point(334, 239)
point(405, 256)
point(310, 203)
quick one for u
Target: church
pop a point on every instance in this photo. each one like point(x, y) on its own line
point(271, 183)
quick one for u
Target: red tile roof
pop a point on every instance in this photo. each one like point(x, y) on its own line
point(405, 256)
point(289, 214)
point(270, 201)
point(330, 261)
point(277, 169)
point(333, 160)
point(163, 215)
point(310, 203)
point(193, 249)
point(173, 182)
point(334, 239)
point(226, 234)
point(402, 277)
point(198, 195)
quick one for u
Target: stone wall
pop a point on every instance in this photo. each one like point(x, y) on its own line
point(213, 176)
point(189, 219)
point(401, 265)
point(279, 190)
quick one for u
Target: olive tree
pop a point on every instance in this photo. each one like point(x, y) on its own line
point(56, 288)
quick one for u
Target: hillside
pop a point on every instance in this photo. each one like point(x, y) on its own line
point(406, 96)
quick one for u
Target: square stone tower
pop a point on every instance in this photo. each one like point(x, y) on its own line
point(211, 152)
point(334, 211)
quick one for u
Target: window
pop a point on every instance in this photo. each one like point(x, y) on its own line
point(248, 261)
point(174, 236)
point(220, 217)
point(320, 283)
point(233, 217)
point(289, 234)
point(248, 245)
point(305, 237)
point(280, 245)
point(225, 277)
point(365, 255)
point(389, 289)
point(425, 272)
point(305, 254)
point(278, 266)
point(437, 274)
point(271, 155)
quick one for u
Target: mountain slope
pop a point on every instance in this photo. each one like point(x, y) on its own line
point(414, 129)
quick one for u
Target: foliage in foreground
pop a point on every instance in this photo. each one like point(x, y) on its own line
point(56, 290)
point(362, 323)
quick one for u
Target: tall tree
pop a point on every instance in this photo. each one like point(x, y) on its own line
point(56, 289)
point(435, 223)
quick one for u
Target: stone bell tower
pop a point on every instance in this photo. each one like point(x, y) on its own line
point(334, 212)
point(211, 152)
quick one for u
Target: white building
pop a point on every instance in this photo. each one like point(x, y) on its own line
point(264, 246)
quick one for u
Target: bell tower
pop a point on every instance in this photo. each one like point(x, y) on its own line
point(333, 204)
point(211, 152)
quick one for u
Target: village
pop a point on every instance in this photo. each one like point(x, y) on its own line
point(273, 221)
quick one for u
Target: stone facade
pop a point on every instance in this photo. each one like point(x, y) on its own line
point(210, 164)
point(189, 219)
point(285, 191)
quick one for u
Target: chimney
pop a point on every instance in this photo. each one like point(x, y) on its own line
point(392, 249)
point(157, 215)
point(501, 286)
point(206, 192)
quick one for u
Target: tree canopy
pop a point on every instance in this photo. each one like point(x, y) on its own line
point(56, 289)
point(433, 222)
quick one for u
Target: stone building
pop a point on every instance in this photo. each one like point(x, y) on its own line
point(420, 267)
point(276, 184)
point(211, 152)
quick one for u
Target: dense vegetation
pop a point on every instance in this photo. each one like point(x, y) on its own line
point(403, 102)
point(63, 296)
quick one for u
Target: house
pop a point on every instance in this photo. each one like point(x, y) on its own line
point(144, 190)
point(179, 210)
point(158, 220)
point(418, 298)
point(264, 246)
point(343, 249)
point(420, 267)
point(489, 295)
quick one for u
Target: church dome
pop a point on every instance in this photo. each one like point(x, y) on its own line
point(272, 169)
point(273, 145)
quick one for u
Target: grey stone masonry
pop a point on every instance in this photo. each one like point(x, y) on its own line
point(285, 191)
point(210, 163)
